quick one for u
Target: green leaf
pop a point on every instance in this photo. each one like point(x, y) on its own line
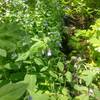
point(10, 34)
point(23, 56)
point(82, 97)
point(68, 76)
point(38, 61)
point(88, 76)
point(44, 69)
point(95, 42)
point(53, 98)
point(60, 65)
point(63, 97)
point(97, 94)
point(81, 89)
point(37, 47)
point(12, 91)
point(31, 80)
point(53, 74)
point(3, 53)
point(7, 66)
point(39, 95)
point(65, 91)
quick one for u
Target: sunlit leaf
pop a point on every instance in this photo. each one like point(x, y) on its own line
point(60, 65)
point(23, 56)
point(39, 95)
point(31, 80)
point(82, 89)
point(88, 76)
point(82, 97)
point(12, 91)
point(53, 74)
point(3, 53)
point(68, 76)
point(65, 91)
point(38, 61)
point(44, 69)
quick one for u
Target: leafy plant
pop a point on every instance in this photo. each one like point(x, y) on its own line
point(32, 64)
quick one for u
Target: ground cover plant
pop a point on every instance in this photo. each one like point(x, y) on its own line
point(49, 49)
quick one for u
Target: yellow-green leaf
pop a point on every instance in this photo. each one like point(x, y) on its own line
point(3, 53)
point(12, 91)
point(68, 76)
point(31, 80)
point(38, 61)
point(60, 65)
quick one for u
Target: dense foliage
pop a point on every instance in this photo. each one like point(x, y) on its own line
point(49, 49)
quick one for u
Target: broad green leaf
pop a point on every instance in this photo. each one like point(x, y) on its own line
point(23, 56)
point(53, 98)
point(3, 53)
point(97, 94)
point(61, 79)
point(68, 76)
point(82, 97)
point(39, 95)
point(12, 91)
point(7, 66)
point(95, 42)
point(65, 91)
point(33, 49)
point(38, 61)
point(60, 65)
point(81, 89)
point(88, 76)
point(37, 47)
point(63, 97)
point(31, 80)
point(10, 34)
